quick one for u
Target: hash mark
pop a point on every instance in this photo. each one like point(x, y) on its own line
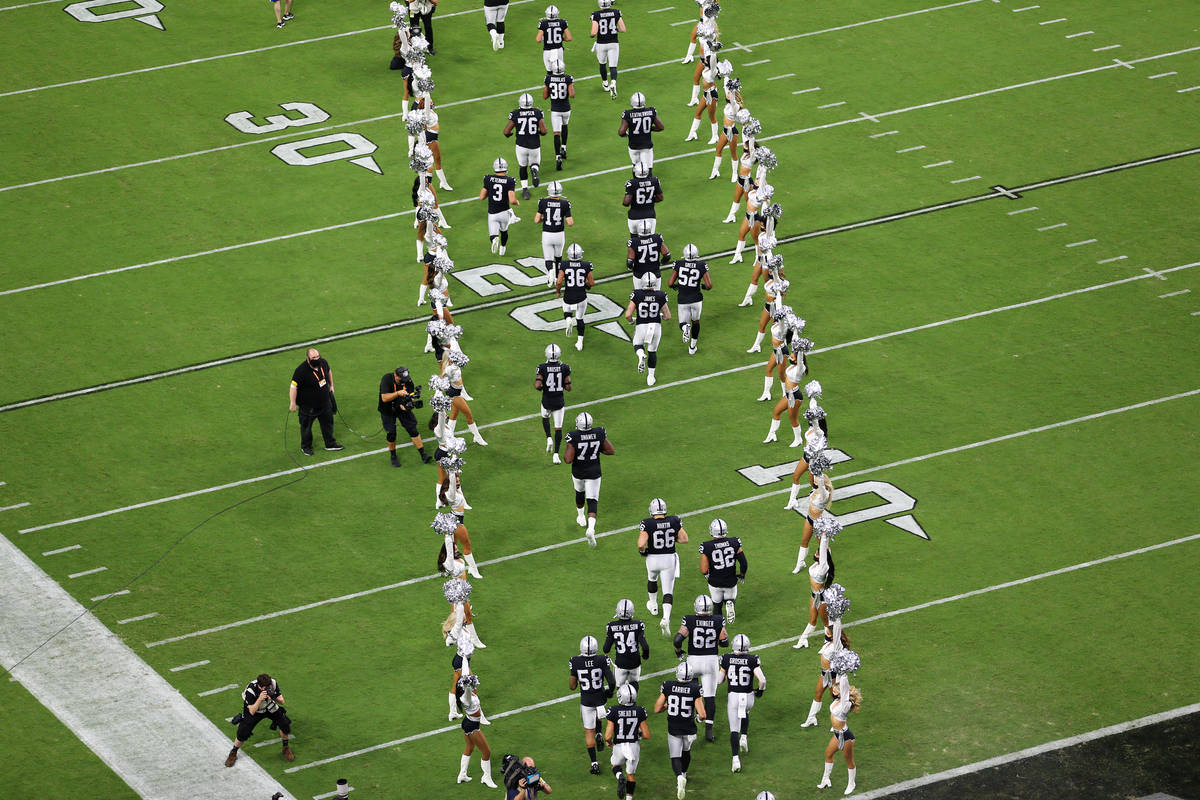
point(100, 597)
point(151, 615)
point(964, 180)
point(756, 63)
point(885, 133)
point(683, 22)
point(936, 164)
point(1174, 294)
point(1052, 21)
point(1189, 89)
point(1052, 227)
point(805, 91)
point(1022, 210)
point(657, 10)
point(87, 572)
point(910, 149)
point(833, 105)
point(1114, 258)
point(63, 550)
point(1161, 75)
point(1085, 241)
point(1106, 47)
point(781, 77)
point(1077, 35)
point(1026, 8)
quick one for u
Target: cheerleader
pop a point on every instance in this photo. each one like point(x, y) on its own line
point(745, 180)
point(708, 98)
point(468, 701)
point(776, 287)
point(449, 450)
point(821, 494)
point(796, 367)
point(435, 273)
point(729, 129)
point(846, 699)
point(836, 605)
point(432, 128)
point(453, 361)
point(451, 525)
point(754, 219)
point(820, 574)
point(457, 592)
point(704, 33)
point(460, 663)
point(439, 319)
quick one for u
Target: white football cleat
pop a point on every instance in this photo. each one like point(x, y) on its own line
point(665, 626)
point(581, 517)
point(737, 764)
point(692, 348)
point(556, 459)
point(651, 380)
point(680, 786)
point(502, 249)
point(744, 744)
point(495, 244)
point(549, 444)
point(591, 537)
point(604, 85)
point(652, 607)
point(579, 344)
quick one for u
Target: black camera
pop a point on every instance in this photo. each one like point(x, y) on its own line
point(415, 394)
point(533, 777)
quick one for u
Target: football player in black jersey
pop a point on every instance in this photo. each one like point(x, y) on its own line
point(494, 12)
point(552, 32)
point(552, 379)
point(638, 124)
point(650, 305)
point(689, 276)
point(606, 24)
point(559, 89)
point(500, 191)
point(625, 729)
point(657, 536)
point(680, 698)
point(646, 252)
point(704, 632)
point(554, 215)
point(629, 636)
point(593, 677)
point(574, 279)
point(724, 565)
point(642, 191)
point(739, 670)
point(529, 124)
point(585, 445)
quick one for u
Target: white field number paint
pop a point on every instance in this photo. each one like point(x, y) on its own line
point(311, 115)
point(359, 150)
point(146, 11)
point(476, 278)
point(893, 511)
point(531, 317)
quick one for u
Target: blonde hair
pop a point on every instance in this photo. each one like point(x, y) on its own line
point(855, 698)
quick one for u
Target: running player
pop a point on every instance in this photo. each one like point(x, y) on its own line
point(657, 536)
point(552, 32)
point(585, 445)
point(629, 637)
point(553, 378)
point(559, 88)
point(529, 124)
point(554, 214)
point(642, 191)
point(574, 279)
point(650, 305)
point(499, 189)
point(638, 125)
point(689, 276)
point(590, 673)
point(606, 25)
point(739, 670)
point(704, 633)
point(680, 698)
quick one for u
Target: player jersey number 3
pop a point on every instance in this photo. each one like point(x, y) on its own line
point(497, 191)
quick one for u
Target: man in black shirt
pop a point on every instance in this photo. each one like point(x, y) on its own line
point(500, 192)
point(584, 447)
point(311, 396)
point(529, 125)
point(592, 675)
point(680, 698)
point(637, 124)
point(642, 191)
point(262, 699)
point(559, 88)
point(398, 396)
point(606, 24)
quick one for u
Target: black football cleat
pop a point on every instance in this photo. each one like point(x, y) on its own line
point(535, 175)
point(595, 770)
point(621, 785)
point(308, 451)
point(335, 446)
point(426, 458)
point(525, 193)
point(558, 162)
point(708, 733)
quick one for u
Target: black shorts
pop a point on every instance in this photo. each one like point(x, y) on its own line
point(430, 136)
point(454, 391)
point(469, 726)
point(407, 420)
point(278, 718)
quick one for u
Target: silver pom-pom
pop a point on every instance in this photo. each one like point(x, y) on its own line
point(444, 524)
point(415, 124)
point(438, 383)
point(733, 84)
point(452, 464)
point(814, 413)
point(767, 241)
point(752, 127)
point(424, 214)
point(425, 85)
point(442, 263)
point(434, 328)
point(774, 211)
point(775, 262)
point(441, 404)
point(812, 390)
point(818, 465)
point(457, 446)
point(845, 661)
point(451, 332)
point(456, 591)
point(803, 345)
point(418, 164)
point(837, 606)
point(459, 359)
point(816, 447)
point(826, 525)
point(712, 11)
point(715, 46)
point(767, 158)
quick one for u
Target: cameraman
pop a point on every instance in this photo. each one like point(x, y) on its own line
point(528, 784)
point(398, 396)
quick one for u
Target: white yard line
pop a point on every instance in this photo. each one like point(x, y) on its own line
point(1174, 294)
point(1106, 47)
point(119, 707)
point(787, 640)
point(806, 91)
point(936, 164)
point(1077, 35)
point(28, 5)
point(13, 507)
point(709, 509)
point(1080, 244)
point(1053, 21)
point(781, 77)
point(1189, 89)
point(683, 22)
point(1048, 747)
point(63, 550)
point(1025, 8)
point(660, 10)
point(1110, 260)
point(218, 690)
point(885, 133)
point(833, 105)
point(1162, 75)
point(1022, 210)
point(306, 132)
point(100, 597)
point(222, 56)
point(658, 387)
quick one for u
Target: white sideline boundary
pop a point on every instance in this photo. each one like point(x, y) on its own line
point(307, 131)
point(124, 711)
point(1048, 747)
point(598, 401)
point(709, 509)
point(885, 615)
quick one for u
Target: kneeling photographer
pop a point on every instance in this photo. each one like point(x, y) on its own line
point(522, 778)
point(398, 396)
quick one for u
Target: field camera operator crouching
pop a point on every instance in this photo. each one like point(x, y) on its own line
point(522, 778)
point(398, 396)
point(262, 699)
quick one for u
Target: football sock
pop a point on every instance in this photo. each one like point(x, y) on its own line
point(745, 726)
point(616, 771)
point(592, 754)
point(666, 607)
point(604, 72)
point(733, 742)
point(652, 361)
point(500, 28)
point(491, 26)
point(613, 71)
point(592, 505)
point(550, 271)
point(557, 439)
point(652, 590)
point(677, 765)
point(564, 134)
point(579, 499)
point(503, 238)
point(579, 325)
point(546, 426)
point(557, 142)
point(630, 786)
point(686, 759)
point(696, 331)
point(710, 709)
point(524, 173)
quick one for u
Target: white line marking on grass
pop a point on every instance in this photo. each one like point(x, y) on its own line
point(1081, 33)
point(100, 597)
point(128, 620)
point(1022, 210)
point(1106, 47)
point(1125, 64)
point(833, 105)
point(1026, 8)
point(1048, 747)
point(1196, 313)
point(328, 795)
point(911, 149)
point(63, 550)
point(709, 509)
point(218, 690)
point(683, 22)
point(222, 56)
point(1053, 21)
point(1110, 260)
point(936, 164)
point(781, 77)
point(660, 10)
point(756, 63)
point(192, 665)
point(1152, 273)
point(279, 740)
point(867, 116)
point(788, 640)
point(87, 572)
point(967, 180)
point(27, 5)
point(1161, 75)
point(1174, 294)
point(525, 417)
point(1189, 89)
point(740, 46)
point(1052, 227)
point(1080, 244)
point(885, 133)
point(120, 708)
point(383, 117)
point(13, 508)
point(806, 91)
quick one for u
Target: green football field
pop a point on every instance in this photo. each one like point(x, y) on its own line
point(989, 226)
